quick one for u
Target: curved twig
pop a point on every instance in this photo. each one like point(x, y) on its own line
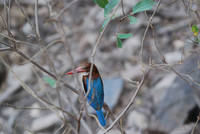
point(129, 104)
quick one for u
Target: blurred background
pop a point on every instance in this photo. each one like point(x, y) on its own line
point(51, 37)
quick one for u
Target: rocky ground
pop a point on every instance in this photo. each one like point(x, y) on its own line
point(168, 102)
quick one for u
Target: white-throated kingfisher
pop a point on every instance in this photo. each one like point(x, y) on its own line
point(96, 95)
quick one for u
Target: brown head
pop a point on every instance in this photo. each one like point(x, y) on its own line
point(85, 68)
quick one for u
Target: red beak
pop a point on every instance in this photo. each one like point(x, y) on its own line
point(77, 70)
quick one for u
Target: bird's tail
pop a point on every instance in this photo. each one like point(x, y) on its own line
point(101, 117)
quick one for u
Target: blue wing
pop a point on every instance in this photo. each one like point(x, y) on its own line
point(96, 94)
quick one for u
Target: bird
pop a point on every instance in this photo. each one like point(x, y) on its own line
point(95, 96)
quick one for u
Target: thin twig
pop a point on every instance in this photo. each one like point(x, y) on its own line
point(3, 20)
point(110, 113)
point(8, 16)
point(8, 20)
point(79, 122)
point(129, 104)
point(197, 14)
point(36, 64)
point(198, 118)
point(145, 32)
point(36, 20)
point(5, 44)
point(24, 13)
point(5, 49)
point(96, 119)
point(8, 37)
point(101, 34)
point(44, 49)
point(123, 12)
point(16, 41)
point(24, 108)
point(65, 8)
point(84, 124)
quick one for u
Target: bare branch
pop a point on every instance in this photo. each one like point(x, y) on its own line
point(196, 123)
point(36, 20)
point(5, 49)
point(24, 13)
point(122, 3)
point(129, 104)
point(145, 32)
point(65, 8)
point(24, 108)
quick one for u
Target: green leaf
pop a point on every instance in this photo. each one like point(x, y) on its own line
point(143, 5)
point(195, 30)
point(101, 3)
point(111, 4)
point(132, 19)
point(124, 36)
point(119, 43)
point(50, 81)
